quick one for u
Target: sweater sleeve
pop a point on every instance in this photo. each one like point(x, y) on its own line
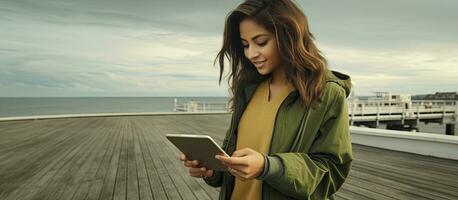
point(319, 173)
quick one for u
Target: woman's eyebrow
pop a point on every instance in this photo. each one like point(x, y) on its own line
point(262, 34)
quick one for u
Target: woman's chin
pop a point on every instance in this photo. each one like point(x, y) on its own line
point(263, 71)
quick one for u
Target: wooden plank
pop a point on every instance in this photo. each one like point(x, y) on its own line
point(360, 193)
point(157, 189)
point(129, 157)
point(121, 175)
point(189, 184)
point(424, 171)
point(180, 127)
point(375, 190)
point(110, 178)
point(29, 182)
point(409, 160)
point(347, 193)
point(99, 157)
point(423, 179)
point(23, 148)
point(404, 191)
point(143, 181)
point(64, 178)
point(99, 168)
point(56, 176)
point(167, 178)
point(132, 178)
point(418, 182)
point(80, 174)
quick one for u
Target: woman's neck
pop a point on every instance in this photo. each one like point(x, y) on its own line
point(278, 77)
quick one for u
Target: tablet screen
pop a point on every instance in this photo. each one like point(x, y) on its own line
point(201, 148)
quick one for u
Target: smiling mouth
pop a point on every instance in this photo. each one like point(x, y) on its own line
point(259, 64)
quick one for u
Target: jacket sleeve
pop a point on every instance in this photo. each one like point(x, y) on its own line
point(216, 179)
point(319, 173)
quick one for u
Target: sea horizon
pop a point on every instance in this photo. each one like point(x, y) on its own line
point(33, 106)
point(36, 106)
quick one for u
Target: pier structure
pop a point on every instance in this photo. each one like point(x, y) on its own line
point(127, 156)
point(404, 116)
point(400, 113)
point(199, 106)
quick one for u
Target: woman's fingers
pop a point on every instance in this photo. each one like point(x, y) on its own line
point(208, 173)
point(187, 162)
point(191, 163)
point(198, 171)
point(232, 160)
point(238, 174)
point(242, 152)
point(182, 157)
point(194, 169)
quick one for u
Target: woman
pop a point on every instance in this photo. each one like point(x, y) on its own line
point(289, 135)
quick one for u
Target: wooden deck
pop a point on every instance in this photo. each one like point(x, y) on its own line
point(129, 158)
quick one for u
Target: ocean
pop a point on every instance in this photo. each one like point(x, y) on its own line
point(32, 106)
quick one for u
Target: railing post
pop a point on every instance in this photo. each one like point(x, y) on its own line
point(443, 111)
point(389, 108)
point(352, 113)
point(418, 114)
point(377, 122)
point(403, 114)
point(456, 111)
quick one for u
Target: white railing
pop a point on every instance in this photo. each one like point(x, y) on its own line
point(361, 110)
point(197, 106)
point(413, 109)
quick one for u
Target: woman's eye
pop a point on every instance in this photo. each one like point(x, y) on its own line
point(259, 44)
point(262, 44)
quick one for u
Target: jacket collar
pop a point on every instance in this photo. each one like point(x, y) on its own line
point(340, 78)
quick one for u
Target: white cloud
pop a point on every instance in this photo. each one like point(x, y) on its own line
point(141, 48)
point(426, 69)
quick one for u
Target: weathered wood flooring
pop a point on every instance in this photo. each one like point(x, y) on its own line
point(130, 158)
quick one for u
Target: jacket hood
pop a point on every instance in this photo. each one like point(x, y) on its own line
point(341, 79)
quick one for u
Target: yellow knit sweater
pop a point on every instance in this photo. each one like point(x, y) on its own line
point(255, 132)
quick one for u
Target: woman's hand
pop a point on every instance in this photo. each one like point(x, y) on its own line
point(244, 164)
point(194, 169)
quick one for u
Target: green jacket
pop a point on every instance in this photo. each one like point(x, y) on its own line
point(310, 154)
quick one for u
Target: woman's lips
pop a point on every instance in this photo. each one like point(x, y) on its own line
point(259, 64)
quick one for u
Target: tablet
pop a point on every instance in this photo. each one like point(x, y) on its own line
point(201, 148)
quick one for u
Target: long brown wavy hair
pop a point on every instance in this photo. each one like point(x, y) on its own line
point(303, 62)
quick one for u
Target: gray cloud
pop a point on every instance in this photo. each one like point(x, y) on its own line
point(160, 48)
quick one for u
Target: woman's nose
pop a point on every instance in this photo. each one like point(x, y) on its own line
point(252, 53)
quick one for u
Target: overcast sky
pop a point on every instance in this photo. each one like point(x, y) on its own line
point(167, 48)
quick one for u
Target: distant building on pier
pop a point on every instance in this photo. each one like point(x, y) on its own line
point(389, 99)
point(442, 96)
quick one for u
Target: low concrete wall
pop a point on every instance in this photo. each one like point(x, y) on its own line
point(430, 144)
point(106, 115)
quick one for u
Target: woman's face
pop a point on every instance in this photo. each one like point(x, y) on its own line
point(260, 46)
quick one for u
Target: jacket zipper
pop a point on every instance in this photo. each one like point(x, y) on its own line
point(275, 122)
